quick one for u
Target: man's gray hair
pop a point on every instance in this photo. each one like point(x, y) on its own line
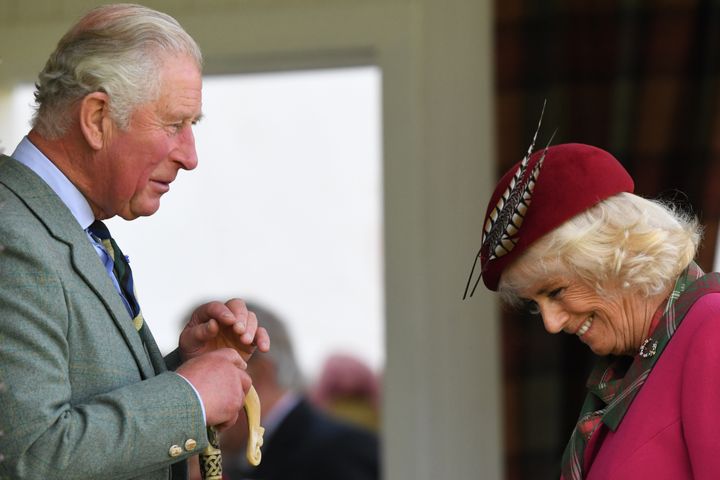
point(281, 352)
point(117, 49)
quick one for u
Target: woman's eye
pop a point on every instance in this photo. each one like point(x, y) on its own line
point(555, 293)
point(532, 307)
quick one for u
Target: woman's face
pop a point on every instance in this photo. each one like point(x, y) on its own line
point(611, 323)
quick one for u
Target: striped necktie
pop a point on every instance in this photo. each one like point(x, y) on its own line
point(120, 268)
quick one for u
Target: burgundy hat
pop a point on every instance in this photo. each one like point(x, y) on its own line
point(539, 194)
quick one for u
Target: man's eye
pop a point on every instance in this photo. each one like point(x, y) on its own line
point(175, 128)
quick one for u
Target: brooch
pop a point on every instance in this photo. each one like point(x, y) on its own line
point(648, 348)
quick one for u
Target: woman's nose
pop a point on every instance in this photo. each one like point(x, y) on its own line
point(554, 317)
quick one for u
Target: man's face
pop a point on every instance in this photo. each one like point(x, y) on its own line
point(142, 161)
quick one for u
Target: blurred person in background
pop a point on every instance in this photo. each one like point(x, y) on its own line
point(300, 441)
point(348, 389)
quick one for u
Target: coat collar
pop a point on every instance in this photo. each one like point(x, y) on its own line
point(62, 225)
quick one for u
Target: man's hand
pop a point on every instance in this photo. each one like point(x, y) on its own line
point(217, 325)
point(221, 381)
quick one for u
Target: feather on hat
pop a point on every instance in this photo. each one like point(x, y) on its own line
point(537, 195)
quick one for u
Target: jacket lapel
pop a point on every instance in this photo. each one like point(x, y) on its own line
point(63, 226)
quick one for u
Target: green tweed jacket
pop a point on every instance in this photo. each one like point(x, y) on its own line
point(82, 397)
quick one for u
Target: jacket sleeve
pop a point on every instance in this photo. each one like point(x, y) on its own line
point(72, 403)
point(700, 394)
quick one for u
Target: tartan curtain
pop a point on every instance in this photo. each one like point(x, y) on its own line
point(639, 79)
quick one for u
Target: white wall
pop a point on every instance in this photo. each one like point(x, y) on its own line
point(284, 209)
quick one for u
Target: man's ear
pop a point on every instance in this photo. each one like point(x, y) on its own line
point(95, 118)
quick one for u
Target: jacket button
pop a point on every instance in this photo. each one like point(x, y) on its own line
point(175, 451)
point(190, 444)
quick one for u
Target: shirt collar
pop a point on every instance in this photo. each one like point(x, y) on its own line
point(279, 411)
point(29, 155)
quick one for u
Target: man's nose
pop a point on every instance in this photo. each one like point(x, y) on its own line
point(185, 153)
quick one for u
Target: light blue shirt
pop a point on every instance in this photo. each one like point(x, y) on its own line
point(29, 155)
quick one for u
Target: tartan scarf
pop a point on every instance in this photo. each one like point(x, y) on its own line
point(121, 270)
point(615, 381)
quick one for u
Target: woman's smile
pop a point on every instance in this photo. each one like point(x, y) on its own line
point(584, 327)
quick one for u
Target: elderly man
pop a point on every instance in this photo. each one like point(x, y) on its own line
point(87, 394)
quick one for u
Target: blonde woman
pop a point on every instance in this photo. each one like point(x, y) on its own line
point(565, 235)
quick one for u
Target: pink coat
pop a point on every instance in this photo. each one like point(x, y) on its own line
point(672, 429)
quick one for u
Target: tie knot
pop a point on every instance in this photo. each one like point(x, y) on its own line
point(99, 229)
